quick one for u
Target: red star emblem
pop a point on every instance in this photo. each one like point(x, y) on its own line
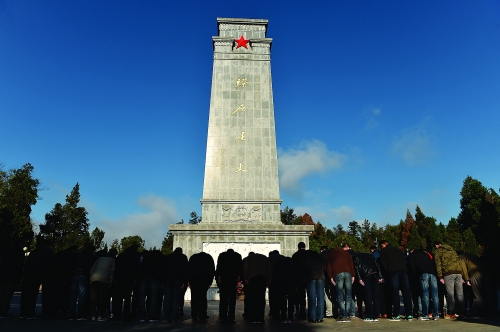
point(242, 42)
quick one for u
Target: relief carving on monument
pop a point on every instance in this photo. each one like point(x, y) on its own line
point(239, 27)
point(241, 213)
point(223, 43)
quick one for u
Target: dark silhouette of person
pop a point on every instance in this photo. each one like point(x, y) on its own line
point(127, 270)
point(274, 306)
point(174, 278)
point(150, 277)
point(81, 263)
point(257, 274)
point(227, 275)
point(201, 271)
point(285, 278)
point(300, 296)
point(101, 278)
point(34, 270)
point(11, 272)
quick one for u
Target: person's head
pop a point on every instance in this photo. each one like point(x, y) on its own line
point(178, 250)
point(323, 248)
point(301, 245)
point(346, 246)
point(373, 248)
point(274, 252)
point(437, 244)
point(383, 243)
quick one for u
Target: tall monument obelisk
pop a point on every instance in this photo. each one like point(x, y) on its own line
point(241, 201)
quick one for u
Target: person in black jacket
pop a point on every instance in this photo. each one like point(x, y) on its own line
point(424, 269)
point(150, 276)
point(127, 271)
point(285, 275)
point(274, 307)
point(257, 274)
point(201, 271)
point(358, 296)
point(227, 275)
point(174, 278)
point(300, 295)
point(314, 275)
point(369, 277)
point(82, 261)
point(34, 270)
point(393, 260)
point(331, 309)
point(11, 272)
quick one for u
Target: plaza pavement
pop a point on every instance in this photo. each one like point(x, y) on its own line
point(213, 325)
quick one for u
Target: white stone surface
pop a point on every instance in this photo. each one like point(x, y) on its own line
point(243, 248)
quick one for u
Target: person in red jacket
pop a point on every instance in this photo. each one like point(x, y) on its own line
point(341, 272)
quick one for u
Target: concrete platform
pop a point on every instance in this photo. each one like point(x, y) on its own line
point(213, 325)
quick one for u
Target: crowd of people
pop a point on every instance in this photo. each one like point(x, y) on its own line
point(150, 286)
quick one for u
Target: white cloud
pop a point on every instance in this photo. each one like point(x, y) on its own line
point(415, 146)
point(151, 225)
point(312, 157)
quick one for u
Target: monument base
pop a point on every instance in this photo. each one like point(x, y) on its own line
point(214, 238)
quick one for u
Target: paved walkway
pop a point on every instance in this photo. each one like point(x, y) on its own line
point(213, 325)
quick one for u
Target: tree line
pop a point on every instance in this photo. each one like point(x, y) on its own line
point(66, 225)
point(476, 229)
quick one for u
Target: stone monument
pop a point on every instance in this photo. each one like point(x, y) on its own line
point(241, 201)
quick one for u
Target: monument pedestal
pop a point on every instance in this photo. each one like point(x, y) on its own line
point(214, 238)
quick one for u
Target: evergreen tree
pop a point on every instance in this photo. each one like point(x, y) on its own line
point(436, 235)
point(354, 229)
point(470, 244)
point(318, 237)
point(129, 241)
point(480, 211)
point(426, 228)
point(18, 193)
point(194, 219)
point(415, 240)
point(66, 225)
point(167, 245)
point(353, 241)
point(391, 234)
point(96, 238)
point(287, 216)
point(453, 236)
point(339, 230)
point(367, 236)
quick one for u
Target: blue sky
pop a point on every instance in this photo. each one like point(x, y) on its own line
point(379, 105)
